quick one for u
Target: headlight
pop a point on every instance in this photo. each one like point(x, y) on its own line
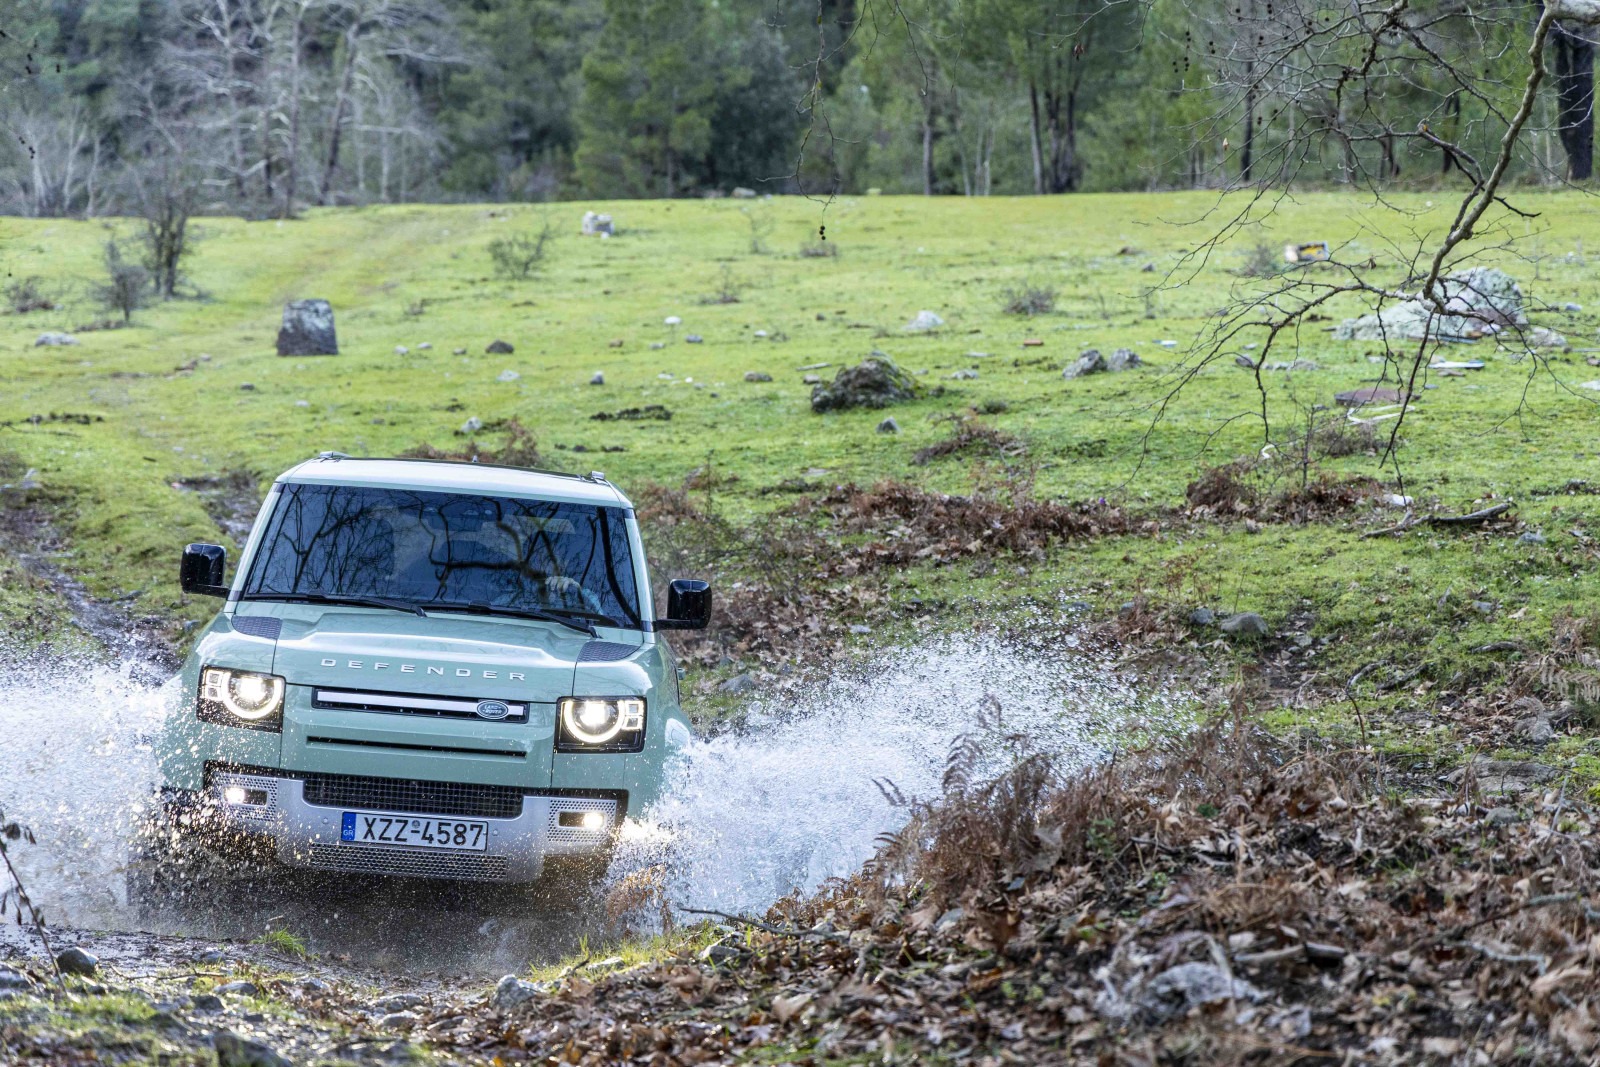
point(241, 698)
point(601, 724)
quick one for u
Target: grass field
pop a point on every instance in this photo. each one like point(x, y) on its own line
point(194, 391)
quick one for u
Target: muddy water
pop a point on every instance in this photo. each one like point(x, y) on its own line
point(799, 793)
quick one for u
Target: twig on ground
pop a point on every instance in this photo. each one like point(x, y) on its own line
point(1469, 519)
point(757, 924)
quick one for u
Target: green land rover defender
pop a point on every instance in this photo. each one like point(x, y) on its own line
point(432, 669)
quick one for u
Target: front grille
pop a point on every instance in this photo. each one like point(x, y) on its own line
point(359, 859)
point(424, 798)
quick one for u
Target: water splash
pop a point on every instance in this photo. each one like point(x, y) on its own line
point(797, 795)
point(789, 799)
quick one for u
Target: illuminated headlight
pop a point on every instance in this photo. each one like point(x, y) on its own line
point(241, 698)
point(601, 724)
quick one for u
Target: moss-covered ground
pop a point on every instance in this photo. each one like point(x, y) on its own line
point(131, 431)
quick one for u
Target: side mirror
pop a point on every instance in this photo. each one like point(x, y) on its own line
point(688, 605)
point(201, 570)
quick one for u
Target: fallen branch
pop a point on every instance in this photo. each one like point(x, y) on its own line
point(1470, 519)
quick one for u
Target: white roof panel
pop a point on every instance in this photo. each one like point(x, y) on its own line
point(446, 477)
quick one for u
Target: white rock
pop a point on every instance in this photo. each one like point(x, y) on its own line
point(424, 346)
point(925, 320)
point(472, 425)
point(598, 379)
point(55, 339)
point(512, 992)
point(672, 320)
point(401, 350)
point(507, 376)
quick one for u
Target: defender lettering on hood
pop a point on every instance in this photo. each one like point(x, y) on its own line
point(416, 674)
point(411, 668)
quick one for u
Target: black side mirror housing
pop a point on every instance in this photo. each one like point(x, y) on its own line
point(688, 605)
point(201, 570)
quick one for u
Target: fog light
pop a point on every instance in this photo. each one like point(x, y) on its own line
point(582, 820)
point(593, 820)
point(241, 796)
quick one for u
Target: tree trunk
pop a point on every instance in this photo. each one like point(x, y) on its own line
point(1574, 63)
point(1248, 148)
point(341, 103)
point(292, 153)
point(1036, 141)
point(927, 143)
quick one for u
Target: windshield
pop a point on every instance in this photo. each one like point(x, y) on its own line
point(448, 548)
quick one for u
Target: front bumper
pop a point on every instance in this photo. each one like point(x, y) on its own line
point(305, 831)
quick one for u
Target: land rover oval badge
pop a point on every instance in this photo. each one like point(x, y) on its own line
point(493, 709)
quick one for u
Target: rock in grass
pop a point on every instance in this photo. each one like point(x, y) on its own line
point(889, 425)
point(11, 979)
point(1246, 624)
point(507, 376)
point(925, 320)
point(472, 425)
point(875, 382)
point(1202, 617)
point(1178, 990)
point(500, 348)
point(598, 379)
point(307, 329)
point(757, 376)
point(50, 339)
point(239, 989)
point(236, 1051)
point(512, 992)
point(76, 961)
point(739, 683)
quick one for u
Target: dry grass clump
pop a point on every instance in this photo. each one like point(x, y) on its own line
point(969, 435)
point(521, 448)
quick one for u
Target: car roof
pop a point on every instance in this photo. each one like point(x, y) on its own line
point(443, 476)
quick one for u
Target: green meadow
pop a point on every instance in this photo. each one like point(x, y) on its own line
point(193, 389)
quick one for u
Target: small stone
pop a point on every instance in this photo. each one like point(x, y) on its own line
point(401, 350)
point(739, 683)
point(812, 379)
point(458, 351)
point(239, 989)
point(889, 425)
point(924, 320)
point(657, 345)
point(247, 387)
point(424, 346)
point(757, 376)
point(512, 992)
point(761, 333)
point(507, 376)
point(719, 954)
point(672, 320)
point(14, 979)
point(500, 348)
point(1202, 617)
point(472, 425)
point(50, 339)
point(1569, 306)
point(693, 339)
point(597, 225)
point(1502, 816)
point(1122, 359)
point(615, 342)
point(964, 374)
point(1178, 990)
point(1537, 730)
point(858, 628)
point(948, 920)
point(75, 960)
point(236, 1051)
point(206, 1002)
point(598, 378)
point(1532, 537)
point(302, 403)
point(215, 955)
point(396, 1002)
point(1245, 623)
point(399, 1020)
point(1483, 607)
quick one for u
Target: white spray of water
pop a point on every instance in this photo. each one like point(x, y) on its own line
point(785, 802)
point(794, 797)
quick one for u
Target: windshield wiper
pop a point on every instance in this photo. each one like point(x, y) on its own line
point(339, 598)
point(478, 607)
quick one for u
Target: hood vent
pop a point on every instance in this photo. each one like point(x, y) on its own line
point(268, 626)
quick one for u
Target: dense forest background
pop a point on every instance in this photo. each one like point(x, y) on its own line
point(262, 107)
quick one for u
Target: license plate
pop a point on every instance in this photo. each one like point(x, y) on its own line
point(416, 831)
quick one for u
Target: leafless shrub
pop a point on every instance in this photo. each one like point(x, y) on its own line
point(518, 256)
point(29, 294)
point(970, 435)
point(819, 250)
point(126, 287)
point(521, 448)
point(1028, 299)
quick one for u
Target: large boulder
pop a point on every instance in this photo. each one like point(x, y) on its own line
point(307, 329)
point(597, 225)
point(1478, 302)
point(875, 382)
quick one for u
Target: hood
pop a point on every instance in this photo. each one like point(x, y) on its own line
point(442, 655)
